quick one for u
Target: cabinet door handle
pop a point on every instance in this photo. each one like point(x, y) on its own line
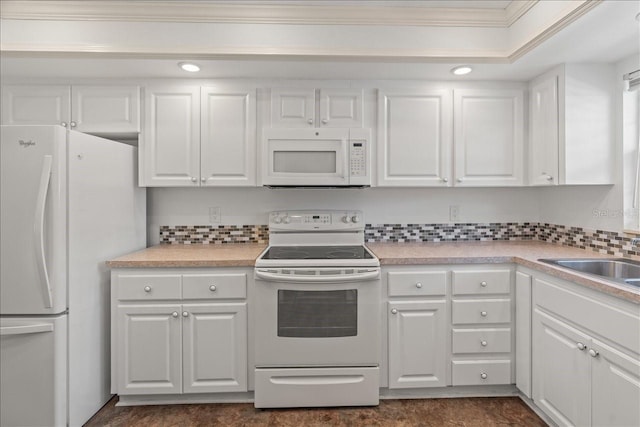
point(394, 311)
point(174, 314)
point(483, 343)
point(325, 121)
point(594, 353)
point(73, 124)
point(445, 179)
point(483, 313)
point(212, 288)
point(581, 346)
point(147, 288)
point(483, 284)
point(203, 179)
point(483, 376)
point(459, 180)
point(63, 124)
point(194, 179)
point(310, 121)
point(185, 314)
point(418, 285)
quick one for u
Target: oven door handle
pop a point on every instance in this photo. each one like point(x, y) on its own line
point(298, 278)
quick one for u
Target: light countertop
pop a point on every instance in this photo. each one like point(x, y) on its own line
point(525, 253)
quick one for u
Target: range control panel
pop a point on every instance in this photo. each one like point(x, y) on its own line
point(316, 220)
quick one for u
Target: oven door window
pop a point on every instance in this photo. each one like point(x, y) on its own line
point(318, 314)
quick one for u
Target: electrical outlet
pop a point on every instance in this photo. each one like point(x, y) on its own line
point(214, 215)
point(454, 213)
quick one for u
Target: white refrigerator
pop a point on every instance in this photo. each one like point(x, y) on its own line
point(69, 202)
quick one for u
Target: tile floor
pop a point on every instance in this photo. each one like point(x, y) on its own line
point(467, 412)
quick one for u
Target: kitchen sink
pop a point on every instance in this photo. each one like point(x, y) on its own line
point(618, 269)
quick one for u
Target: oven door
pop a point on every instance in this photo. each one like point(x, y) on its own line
point(317, 317)
point(305, 157)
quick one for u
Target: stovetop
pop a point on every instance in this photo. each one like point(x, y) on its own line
point(317, 253)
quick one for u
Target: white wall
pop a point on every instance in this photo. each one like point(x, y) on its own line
point(190, 206)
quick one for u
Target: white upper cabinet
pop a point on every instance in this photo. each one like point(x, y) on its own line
point(309, 108)
point(414, 137)
point(100, 109)
point(571, 136)
point(228, 137)
point(91, 109)
point(199, 137)
point(488, 135)
point(170, 143)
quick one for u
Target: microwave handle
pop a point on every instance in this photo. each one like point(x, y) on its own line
point(288, 278)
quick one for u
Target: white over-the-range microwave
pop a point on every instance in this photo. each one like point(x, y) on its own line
point(316, 158)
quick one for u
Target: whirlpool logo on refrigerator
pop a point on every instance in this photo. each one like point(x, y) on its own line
point(26, 144)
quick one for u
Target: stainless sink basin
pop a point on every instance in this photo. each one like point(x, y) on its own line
point(618, 269)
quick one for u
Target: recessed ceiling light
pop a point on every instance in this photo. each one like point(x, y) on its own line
point(461, 70)
point(187, 66)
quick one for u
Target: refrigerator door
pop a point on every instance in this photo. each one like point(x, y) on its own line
point(33, 368)
point(33, 220)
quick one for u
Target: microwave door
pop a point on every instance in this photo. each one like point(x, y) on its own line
point(307, 162)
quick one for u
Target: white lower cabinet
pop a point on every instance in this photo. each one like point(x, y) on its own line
point(196, 343)
point(578, 378)
point(417, 344)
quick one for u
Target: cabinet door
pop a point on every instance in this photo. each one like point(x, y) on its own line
point(615, 387)
point(341, 108)
point(488, 137)
point(543, 131)
point(106, 109)
point(215, 347)
point(36, 105)
point(228, 137)
point(417, 344)
point(414, 146)
point(149, 349)
point(293, 108)
point(170, 143)
point(561, 371)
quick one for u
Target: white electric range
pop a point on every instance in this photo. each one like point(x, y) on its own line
point(317, 312)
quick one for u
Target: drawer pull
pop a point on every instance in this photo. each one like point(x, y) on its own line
point(483, 376)
point(483, 284)
point(185, 314)
point(212, 288)
point(174, 314)
point(594, 353)
point(483, 343)
point(147, 288)
point(483, 313)
point(581, 346)
point(418, 285)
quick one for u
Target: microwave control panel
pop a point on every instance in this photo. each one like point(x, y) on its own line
point(358, 158)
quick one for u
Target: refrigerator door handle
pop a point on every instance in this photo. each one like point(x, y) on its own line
point(26, 329)
point(38, 228)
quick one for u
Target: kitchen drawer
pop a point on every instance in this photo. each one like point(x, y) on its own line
point(149, 287)
point(417, 283)
point(216, 286)
point(481, 282)
point(481, 311)
point(497, 340)
point(480, 372)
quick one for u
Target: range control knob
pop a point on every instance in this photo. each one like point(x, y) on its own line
point(277, 220)
point(355, 219)
point(287, 219)
point(346, 219)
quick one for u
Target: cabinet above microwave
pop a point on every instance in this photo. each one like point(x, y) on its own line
point(316, 158)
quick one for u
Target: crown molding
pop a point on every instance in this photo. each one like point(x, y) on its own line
point(194, 53)
point(207, 11)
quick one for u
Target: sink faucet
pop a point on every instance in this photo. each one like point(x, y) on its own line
point(635, 241)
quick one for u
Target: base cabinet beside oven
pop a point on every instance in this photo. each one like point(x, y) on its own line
point(449, 325)
point(178, 332)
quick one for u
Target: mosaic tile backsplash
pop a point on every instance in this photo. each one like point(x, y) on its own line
point(604, 242)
